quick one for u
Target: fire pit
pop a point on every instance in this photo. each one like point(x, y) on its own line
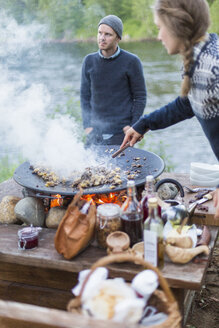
point(131, 160)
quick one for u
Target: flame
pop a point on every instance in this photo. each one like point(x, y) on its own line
point(113, 197)
point(58, 201)
point(96, 199)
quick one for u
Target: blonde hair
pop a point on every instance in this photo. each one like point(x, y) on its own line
point(187, 20)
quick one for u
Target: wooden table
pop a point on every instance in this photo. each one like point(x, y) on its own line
point(43, 277)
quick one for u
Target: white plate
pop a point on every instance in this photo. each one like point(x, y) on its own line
point(204, 177)
point(204, 168)
point(204, 183)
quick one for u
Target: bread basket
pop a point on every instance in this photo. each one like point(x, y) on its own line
point(162, 299)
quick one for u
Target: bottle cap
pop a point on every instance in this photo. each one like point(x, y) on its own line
point(130, 183)
point(149, 178)
point(152, 201)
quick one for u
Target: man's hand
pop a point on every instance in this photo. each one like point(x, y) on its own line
point(88, 130)
point(216, 203)
point(131, 136)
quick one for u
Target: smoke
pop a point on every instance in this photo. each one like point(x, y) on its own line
point(24, 121)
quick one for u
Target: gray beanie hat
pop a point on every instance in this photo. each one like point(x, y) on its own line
point(114, 22)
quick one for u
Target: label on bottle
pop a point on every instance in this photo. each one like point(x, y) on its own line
point(150, 247)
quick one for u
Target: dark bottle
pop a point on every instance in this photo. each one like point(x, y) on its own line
point(153, 236)
point(148, 193)
point(131, 215)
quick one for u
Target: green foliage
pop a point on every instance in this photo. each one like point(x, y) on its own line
point(71, 19)
point(7, 168)
point(214, 11)
point(92, 15)
point(65, 17)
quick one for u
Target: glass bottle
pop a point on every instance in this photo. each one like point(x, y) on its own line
point(147, 193)
point(153, 235)
point(131, 215)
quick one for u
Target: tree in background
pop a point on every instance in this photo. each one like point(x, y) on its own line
point(214, 12)
point(78, 19)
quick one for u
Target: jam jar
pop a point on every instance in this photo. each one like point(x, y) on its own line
point(108, 220)
point(28, 237)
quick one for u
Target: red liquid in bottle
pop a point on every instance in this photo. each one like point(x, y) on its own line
point(132, 224)
point(144, 206)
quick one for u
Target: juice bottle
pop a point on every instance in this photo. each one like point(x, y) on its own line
point(153, 236)
point(148, 193)
point(131, 215)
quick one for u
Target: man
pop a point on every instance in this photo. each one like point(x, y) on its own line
point(113, 91)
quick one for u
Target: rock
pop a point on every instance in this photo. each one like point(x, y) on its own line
point(167, 191)
point(7, 205)
point(31, 210)
point(54, 217)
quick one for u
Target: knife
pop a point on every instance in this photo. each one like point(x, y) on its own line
point(204, 199)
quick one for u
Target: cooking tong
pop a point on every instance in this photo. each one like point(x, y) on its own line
point(119, 151)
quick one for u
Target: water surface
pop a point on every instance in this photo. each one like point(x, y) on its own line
point(57, 67)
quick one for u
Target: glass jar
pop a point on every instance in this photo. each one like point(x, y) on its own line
point(28, 237)
point(108, 220)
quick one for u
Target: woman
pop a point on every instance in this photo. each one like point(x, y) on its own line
point(182, 26)
point(216, 202)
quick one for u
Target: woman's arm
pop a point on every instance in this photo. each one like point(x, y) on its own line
point(216, 202)
point(176, 111)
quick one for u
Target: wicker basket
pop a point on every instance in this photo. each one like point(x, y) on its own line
point(163, 299)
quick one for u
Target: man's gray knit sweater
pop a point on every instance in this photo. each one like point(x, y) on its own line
point(113, 91)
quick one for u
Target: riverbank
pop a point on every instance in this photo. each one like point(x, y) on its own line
point(205, 307)
point(125, 39)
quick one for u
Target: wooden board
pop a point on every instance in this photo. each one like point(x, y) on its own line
point(200, 217)
point(25, 293)
point(188, 276)
point(13, 314)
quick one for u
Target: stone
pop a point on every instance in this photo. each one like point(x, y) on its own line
point(54, 217)
point(30, 210)
point(167, 191)
point(7, 205)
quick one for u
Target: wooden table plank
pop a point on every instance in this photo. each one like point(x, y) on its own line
point(188, 276)
point(20, 315)
point(200, 217)
point(30, 294)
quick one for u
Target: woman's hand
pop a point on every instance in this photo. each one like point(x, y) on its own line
point(216, 202)
point(126, 128)
point(88, 130)
point(131, 136)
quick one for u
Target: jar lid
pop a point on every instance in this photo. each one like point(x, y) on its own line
point(28, 232)
point(108, 210)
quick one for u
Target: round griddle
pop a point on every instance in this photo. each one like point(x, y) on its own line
point(151, 164)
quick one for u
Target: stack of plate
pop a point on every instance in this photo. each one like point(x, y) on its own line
point(202, 174)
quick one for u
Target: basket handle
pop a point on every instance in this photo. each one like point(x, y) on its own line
point(119, 258)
